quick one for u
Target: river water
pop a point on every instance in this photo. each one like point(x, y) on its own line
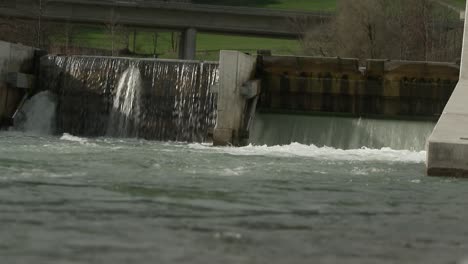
point(66, 199)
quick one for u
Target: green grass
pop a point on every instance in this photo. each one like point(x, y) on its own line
point(305, 5)
point(208, 45)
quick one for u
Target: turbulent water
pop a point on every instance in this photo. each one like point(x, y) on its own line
point(37, 115)
point(340, 132)
point(69, 199)
point(348, 191)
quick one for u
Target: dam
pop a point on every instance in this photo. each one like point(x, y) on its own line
point(250, 159)
point(244, 99)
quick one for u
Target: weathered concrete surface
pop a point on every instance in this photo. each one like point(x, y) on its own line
point(14, 58)
point(447, 147)
point(20, 80)
point(235, 69)
point(389, 89)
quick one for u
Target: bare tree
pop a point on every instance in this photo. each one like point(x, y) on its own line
point(388, 29)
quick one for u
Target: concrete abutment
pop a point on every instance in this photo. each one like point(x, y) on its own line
point(17, 68)
point(447, 147)
point(236, 69)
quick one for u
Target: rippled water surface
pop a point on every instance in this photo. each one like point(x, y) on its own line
point(74, 200)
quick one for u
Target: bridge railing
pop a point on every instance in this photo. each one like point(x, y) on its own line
point(185, 5)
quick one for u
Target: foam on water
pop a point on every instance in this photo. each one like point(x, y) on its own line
point(68, 137)
point(37, 114)
point(321, 153)
point(340, 132)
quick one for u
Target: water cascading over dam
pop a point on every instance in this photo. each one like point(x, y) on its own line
point(172, 100)
point(153, 99)
point(340, 132)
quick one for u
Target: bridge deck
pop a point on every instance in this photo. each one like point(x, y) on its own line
point(176, 16)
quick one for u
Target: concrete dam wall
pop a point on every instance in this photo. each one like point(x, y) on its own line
point(17, 64)
point(193, 101)
point(383, 89)
point(328, 87)
point(166, 100)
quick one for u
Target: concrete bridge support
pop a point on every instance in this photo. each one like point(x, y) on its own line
point(17, 65)
point(236, 69)
point(188, 44)
point(447, 147)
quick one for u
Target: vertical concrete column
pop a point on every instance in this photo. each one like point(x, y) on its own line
point(447, 147)
point(235, 69)
point(188, 44)
point(15, 61)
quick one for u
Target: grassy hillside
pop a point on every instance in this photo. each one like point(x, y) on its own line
point(208, 45)
point(327, 5)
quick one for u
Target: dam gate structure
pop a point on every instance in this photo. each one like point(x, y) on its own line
point(317, 86)
point(209, 101)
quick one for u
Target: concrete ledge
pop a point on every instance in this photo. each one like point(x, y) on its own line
point(14, 58)
point(448, 147)
point(20, 80)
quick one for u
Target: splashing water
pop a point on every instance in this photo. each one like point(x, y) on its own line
point(37, 114)
point(340, 132)
point(166, 100)
point(125, 113)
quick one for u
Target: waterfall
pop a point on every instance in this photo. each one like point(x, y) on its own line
point(340, 132)
point(125, 113)
point(167, 100)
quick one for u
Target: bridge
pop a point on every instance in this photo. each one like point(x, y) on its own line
point(186, 18)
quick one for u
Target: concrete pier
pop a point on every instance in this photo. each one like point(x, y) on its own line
point(16, 67)
point(236, 69)
point(188, 44)
point(447, 147)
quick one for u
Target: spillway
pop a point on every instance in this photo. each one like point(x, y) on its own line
point(153, 99)
point(340, 132)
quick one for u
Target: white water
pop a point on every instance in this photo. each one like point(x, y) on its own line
point(37, 115)
point(125, 114)
point(340, 132)
point(68, 137)
point(321, 153)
